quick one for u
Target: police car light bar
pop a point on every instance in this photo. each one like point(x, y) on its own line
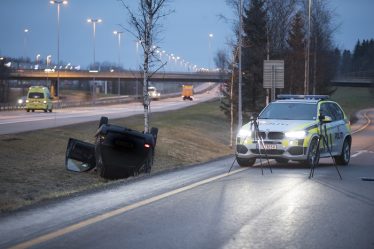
point(291, 96)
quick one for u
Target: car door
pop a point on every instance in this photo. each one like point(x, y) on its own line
point(329, 129)
point(340, 129)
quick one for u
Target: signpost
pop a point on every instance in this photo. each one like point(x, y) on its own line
point(273, 75)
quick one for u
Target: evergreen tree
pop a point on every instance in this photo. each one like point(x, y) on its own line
point(294, 83)
point(346, 62)
point(254, 54)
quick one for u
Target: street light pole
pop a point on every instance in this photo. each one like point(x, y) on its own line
point(58, 3)
point(240, 117)
point(25, 31)
point(118, 34)
point(306, 79)
point(210, 49)
point(94, 21)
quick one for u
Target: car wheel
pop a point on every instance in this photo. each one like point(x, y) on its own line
point(281, 160)
point(149, 162)
point(28, 110)
point(345, 156)
point(45, 110)
point(245, 162)
point(313, 153)
point(103, 120)
point(33, 110)
point(50, 110)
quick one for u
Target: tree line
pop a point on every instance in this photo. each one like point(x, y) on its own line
point(360, 61)
point(279, 30)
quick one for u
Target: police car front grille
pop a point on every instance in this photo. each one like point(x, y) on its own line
point(276, 135)
point(273, 135)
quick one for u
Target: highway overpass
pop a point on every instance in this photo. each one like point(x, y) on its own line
point(123, 75)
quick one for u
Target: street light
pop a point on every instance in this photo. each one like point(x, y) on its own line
point(25, 31)
point(118, 34)
point(306, 79)
point(210, 49)
point(58, 3)
point(94, 21)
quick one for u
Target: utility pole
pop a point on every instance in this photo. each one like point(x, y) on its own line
point(240, 117)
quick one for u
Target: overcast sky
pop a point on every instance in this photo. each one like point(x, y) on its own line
point(186, 32)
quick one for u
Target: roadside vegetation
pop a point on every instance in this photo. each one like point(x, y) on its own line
point(32, 163)
point(353, 99)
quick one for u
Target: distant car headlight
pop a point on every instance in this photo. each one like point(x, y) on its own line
point(296, 134)
point(244, 133)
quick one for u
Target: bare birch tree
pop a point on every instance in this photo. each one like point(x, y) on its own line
point(145, 25)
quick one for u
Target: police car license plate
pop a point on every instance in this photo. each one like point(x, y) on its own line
point(268, 146)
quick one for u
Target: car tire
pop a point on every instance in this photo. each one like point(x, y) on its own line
point(345, 156)
point(103, 121)
point(28, 110)
point(313, 154)
point(281, 160)
point(245, 162)
point(149, 162)
point(33, 110)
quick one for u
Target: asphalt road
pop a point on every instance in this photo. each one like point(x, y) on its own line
point(205, 207)
point(21, 121)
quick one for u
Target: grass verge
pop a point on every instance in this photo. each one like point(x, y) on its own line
point(32, 163)
point(353, 99)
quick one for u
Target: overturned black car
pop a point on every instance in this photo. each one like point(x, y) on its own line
point(118, 152)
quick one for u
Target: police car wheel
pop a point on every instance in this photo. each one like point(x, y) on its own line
point(244, 162)
point(313, 154)
point(345, 156)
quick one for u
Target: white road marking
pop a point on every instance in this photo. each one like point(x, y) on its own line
point(110, 214)
point(360, 152)
point(364, 126)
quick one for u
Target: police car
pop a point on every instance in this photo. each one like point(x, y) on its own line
point(289, 128)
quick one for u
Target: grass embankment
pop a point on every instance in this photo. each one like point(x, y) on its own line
point(32, 164)
point(353, 99)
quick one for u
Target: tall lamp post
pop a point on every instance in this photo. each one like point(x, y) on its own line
point(25, 31)
point(306, 79)
point(94, 21)
point(118, 34)
point(210, 49)
point(240, 117)
point(58, 3)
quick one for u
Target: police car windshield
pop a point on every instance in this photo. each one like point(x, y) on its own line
point(290, 111)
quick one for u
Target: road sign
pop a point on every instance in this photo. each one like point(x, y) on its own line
point(274, 74)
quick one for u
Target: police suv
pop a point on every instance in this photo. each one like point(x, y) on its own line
point(290, 128)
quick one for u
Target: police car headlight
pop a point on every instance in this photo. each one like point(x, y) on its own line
point(295, 134)
point(244, 133)
point(45, 102)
